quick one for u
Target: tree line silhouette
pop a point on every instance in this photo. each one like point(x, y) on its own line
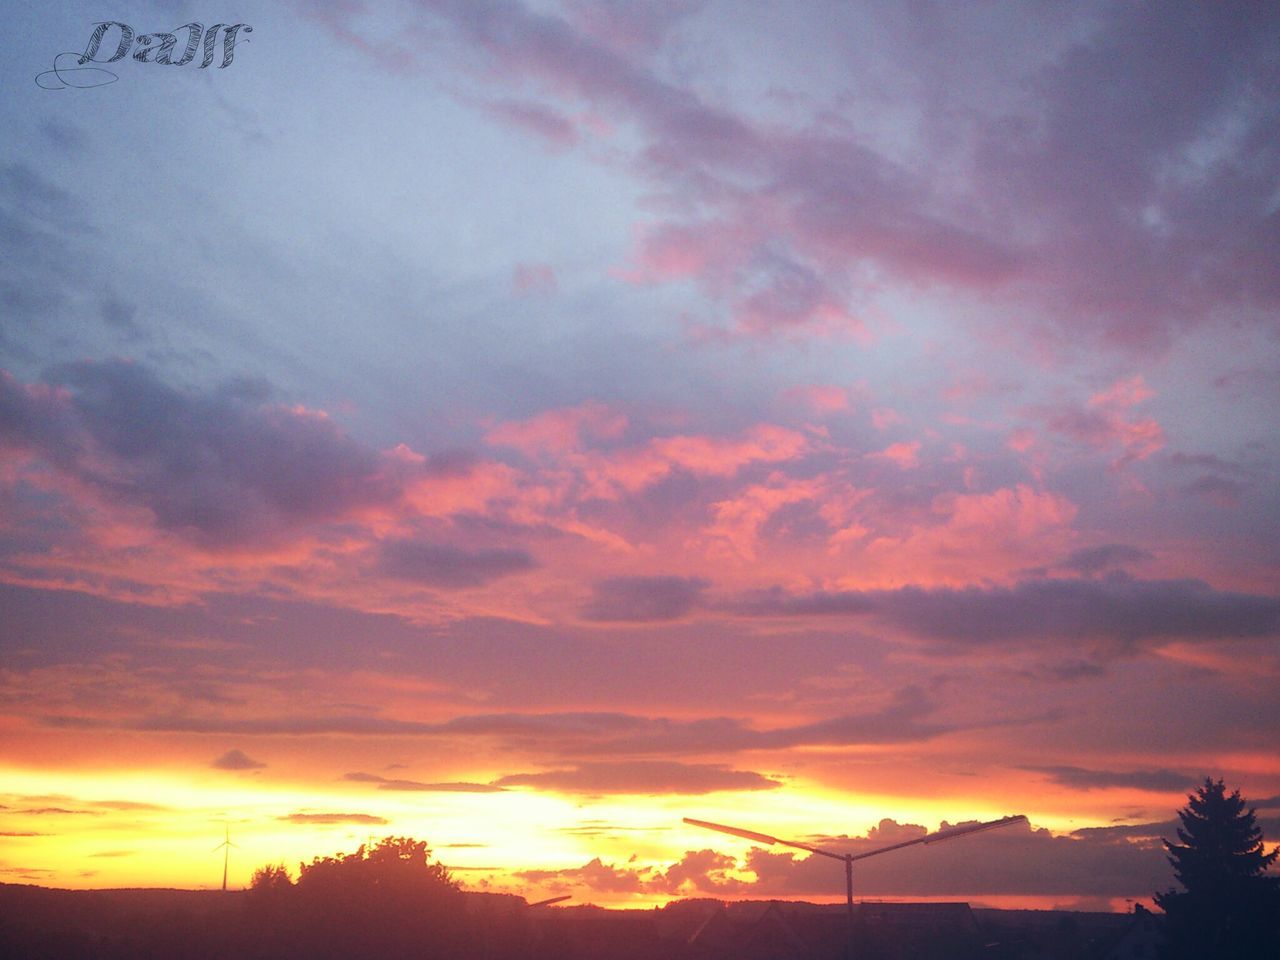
point(386, 900)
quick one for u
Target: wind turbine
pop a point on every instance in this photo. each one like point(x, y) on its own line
point(849, 858)
point(551, 900)
point(225, 846)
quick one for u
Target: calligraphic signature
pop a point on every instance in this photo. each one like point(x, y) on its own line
point(147, 48)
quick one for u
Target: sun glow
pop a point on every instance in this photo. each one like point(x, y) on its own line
point(119, 829)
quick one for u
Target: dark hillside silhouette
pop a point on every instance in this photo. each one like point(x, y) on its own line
point(268, 921)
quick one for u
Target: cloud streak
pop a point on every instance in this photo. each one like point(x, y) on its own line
point(1117, 609)
point(642, 777)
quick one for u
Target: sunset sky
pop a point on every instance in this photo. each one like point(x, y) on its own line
point(521, 425)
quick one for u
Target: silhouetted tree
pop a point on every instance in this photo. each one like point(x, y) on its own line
point(1229, 907)
point(388, 900)
point(393, 863)
point(270, 879)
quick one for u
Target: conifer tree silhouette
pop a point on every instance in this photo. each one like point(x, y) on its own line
point(1229, 906)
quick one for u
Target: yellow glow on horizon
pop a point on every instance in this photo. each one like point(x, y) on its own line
point(113, 829)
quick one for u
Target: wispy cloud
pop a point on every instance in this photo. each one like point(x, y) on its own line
point(333, 818)
point(415, 786)
point(1160, 781)
point(643, 777)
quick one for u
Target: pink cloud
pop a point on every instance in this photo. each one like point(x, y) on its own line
point(442, 493)
point(708, 252)
point(999, 533)
point(737, 522)
point(1104, 423)
point(559, 431)
point(1123, 394)
point(628, 470)
point(820, 399)
point(882, 418)
point(903, 455)
point(534, 278)
point(764, 442)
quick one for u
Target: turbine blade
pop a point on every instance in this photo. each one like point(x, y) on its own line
point(734, 831)
point(550, 900)
point(761, 837)
point(948, 834)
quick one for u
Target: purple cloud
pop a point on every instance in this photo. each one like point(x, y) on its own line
point(1116, 608)
point(1070, 206)
point(236, 760)
point(222, 466)
point(443, 565)
point(643, 599)
point(1091, 561)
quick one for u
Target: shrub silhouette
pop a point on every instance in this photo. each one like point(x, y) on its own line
point(1229, 906)
point(389, 900)
point(271, 880)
